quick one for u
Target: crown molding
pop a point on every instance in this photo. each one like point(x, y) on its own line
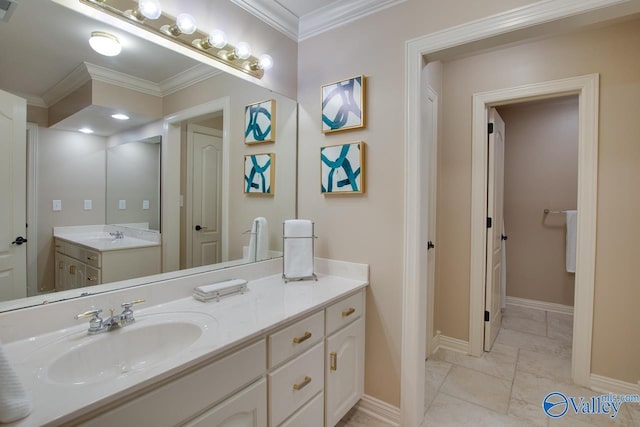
point(272, 13)
point(183, 80)
point(33, 100)
point(64, 87)
point(339, 13)
point(117, 78)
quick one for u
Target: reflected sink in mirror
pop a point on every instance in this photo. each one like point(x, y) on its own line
point(149, 341)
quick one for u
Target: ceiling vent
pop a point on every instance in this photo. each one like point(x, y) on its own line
point(6, 9)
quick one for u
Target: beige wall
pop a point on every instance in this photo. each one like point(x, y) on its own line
point(369, 228)
point(541, 172)
point(71, 104)
point(616, 343)
point(71, 168)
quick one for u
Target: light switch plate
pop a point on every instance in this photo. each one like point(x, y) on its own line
point(145, 205)
point(57, 205)
point(122, 204)
point(88, 205)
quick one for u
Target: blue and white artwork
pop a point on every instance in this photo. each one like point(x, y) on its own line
point(259, 172)
point(342, 168)
point(260, 122)
point(343, 105)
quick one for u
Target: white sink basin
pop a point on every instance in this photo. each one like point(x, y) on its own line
point(134, 348)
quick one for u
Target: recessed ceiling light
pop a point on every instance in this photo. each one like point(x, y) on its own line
point(86, 130)
point(105, 44)
point(120, 116)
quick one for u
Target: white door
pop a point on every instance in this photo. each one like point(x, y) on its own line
point(428, 202)
point(205, 196)
point(13, 212)
point(495, 203)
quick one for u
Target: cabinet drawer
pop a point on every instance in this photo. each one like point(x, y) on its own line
point(292, 385)
point(92, 258)
point(310, 415)
point(344, 312)
point(193, 393)
point(93, 276)
point(295, 339)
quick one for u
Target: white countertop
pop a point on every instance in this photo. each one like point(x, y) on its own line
point(98, 237)
point(233, 321)
point(104, 244)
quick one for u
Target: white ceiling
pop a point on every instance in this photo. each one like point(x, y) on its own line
point(303, 7)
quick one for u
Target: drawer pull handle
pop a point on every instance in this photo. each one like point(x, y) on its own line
point(92, 279)
point(306, 336)
point(349, 312)
point(333, 357)
point(303, 384)
point(92, 258)
point(72, 269)
point(61, 265)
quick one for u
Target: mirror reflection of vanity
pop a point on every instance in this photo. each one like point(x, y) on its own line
point(174, 103)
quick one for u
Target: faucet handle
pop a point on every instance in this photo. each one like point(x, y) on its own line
point(128, 305)
point(91, 313)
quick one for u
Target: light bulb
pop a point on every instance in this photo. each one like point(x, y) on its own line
point(186, 23)
point(243, 50)
point(265, 61)
point(104, 43)
point(120, 116)
point(218, 39)
point(86, 130)
point(150, 8)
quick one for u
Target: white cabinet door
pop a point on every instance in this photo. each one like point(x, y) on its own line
point(344, 371)
point(247, 408)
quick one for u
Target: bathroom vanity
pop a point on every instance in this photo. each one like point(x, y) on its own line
point(278, 355)
point(91, 255)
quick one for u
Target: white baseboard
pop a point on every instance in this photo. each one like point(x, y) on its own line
point(541, 305)
point(448, 343)
point(379, 410)
point(611, 385)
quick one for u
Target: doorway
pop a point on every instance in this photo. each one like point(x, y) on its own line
point(533, 282)
point(586, 89)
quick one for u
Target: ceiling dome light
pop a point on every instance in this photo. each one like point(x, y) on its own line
point(86, 130)
point(150, 9)
point(120, 116)
point(265, 61)
point(105, 44)
point(243, 50)
point(185, 24)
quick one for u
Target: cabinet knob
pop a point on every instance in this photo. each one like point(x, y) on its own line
point(349, 312)
point(306, 336)
point(333, 361)
point(92, 279)
point(92, 258)
point(303, 384)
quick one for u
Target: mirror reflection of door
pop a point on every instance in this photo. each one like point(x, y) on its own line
point(13, 252)
point(204, 148)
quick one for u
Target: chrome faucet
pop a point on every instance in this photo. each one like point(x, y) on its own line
point(117, 234)
point(98, 325)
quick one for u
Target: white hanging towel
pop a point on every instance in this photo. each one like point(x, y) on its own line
point(298, 248)
point(15, 403)
point(572, 238)
point(259, 242)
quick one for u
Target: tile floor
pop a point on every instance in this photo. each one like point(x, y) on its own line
point(505, 387)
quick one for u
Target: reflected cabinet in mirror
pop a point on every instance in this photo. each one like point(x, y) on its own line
point(130, 160)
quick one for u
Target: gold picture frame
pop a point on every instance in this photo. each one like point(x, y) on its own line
point(260, 122)
point(342, 168)
point(259, 174)
point(344, 105)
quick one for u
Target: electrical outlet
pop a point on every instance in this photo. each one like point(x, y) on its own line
point(145, 205)
point(57, 205)
point(122, 204)
point(88, 205)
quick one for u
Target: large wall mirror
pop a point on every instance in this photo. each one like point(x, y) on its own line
point(172, 170)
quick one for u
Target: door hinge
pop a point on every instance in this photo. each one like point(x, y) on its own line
point(487, 316)
point(489, 222)
point(490, 128)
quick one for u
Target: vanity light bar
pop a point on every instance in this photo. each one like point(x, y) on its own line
point(233, 56)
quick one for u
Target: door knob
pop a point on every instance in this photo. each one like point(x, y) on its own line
point(503, 237)
point(430, 245)
point(19, 240)
point(199, 227)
